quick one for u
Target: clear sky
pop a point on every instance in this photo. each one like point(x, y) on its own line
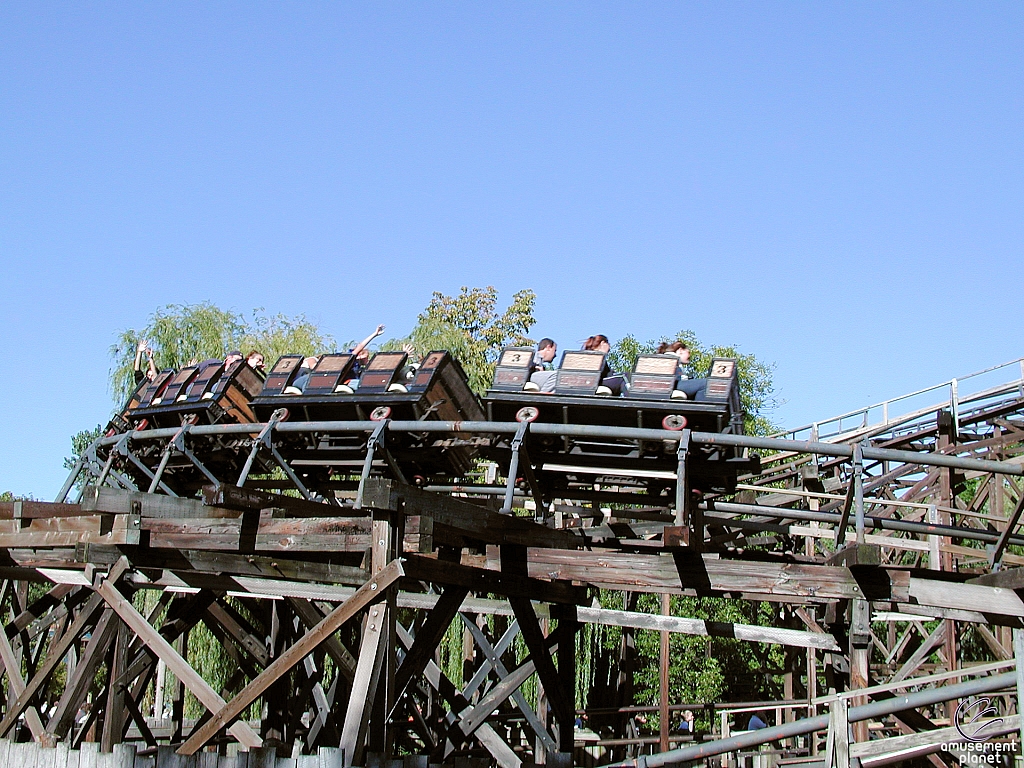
point(836, 188)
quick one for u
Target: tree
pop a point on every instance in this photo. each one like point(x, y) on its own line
point(755, 376)
point(183, 333)
point(469, 326)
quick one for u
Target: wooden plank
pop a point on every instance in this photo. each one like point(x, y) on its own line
point(16, 683)
point(54, 657)
point(230, 563)
point(206, 695)
point(334, 534)
point(471, 521)
point(967, 597)
point(484, 580)
point(76, 688)
point(699, 627)
point(428, 637)
point(702, 575)
point(935, 738)
point(364, 685)
point(241, 499)
point(369, 593)
point(27, 510)
point(146, 504)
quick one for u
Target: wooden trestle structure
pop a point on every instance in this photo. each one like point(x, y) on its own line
point(332, 607)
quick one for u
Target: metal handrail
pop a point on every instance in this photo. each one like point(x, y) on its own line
point(954, 401)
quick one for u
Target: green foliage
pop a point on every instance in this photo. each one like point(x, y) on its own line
point(81, 441)
point(471, 328)
point(10, 496)
point(756, 388)
point(184, 333)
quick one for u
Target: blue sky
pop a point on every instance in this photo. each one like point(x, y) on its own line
point(836, 188)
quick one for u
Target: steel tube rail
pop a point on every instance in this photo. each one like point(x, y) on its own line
point(586, 430)
point(882, 523)
point(846, 451)
point(867, 711)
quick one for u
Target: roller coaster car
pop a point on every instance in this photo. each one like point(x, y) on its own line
point(389, 388)
point(655, 399)
point(207, 392)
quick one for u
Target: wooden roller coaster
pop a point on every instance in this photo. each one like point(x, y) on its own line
point(329, 536)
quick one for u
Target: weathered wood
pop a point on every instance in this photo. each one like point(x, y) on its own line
point(201, 561)
point(471, 521)
point(240, 499)
point(55, 656)
point(967, 597)
point(429, 636)
point(271, 534)
point(225, 713)
point(498, 582)
point(16, 683)
point(702, 575)
point(202, 690)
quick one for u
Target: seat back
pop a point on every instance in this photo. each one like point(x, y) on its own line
point(513, 370)
point(654, 377)
point(178, 384)
point(204, 381)
point(381, 372)
point(329, 372)
point(282, 374)
point(580, 372)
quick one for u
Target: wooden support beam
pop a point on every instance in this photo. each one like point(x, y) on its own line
point(498, 582)
point(493, 660)
point(55, 656)
point(468, 520)
point(202, 690)
point(16, 682)
point(546, 671)
point(310, 616)
point(76, 688)
point(225, 713)
point(483, 733)
point(935, 639)
point(364, 685)
point(428, 637)
point(114, 714)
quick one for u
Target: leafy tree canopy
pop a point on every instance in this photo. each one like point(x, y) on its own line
point(470, 327)
point(182, 333)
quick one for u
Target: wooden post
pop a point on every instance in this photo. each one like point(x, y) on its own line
point(860, 654)
point(1018, 653)
point(837, 748)
point(114, 716)
point(663, 691)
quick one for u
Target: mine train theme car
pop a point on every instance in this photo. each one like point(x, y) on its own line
point(390, 387)
point(205, 392)
point(654, 397)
